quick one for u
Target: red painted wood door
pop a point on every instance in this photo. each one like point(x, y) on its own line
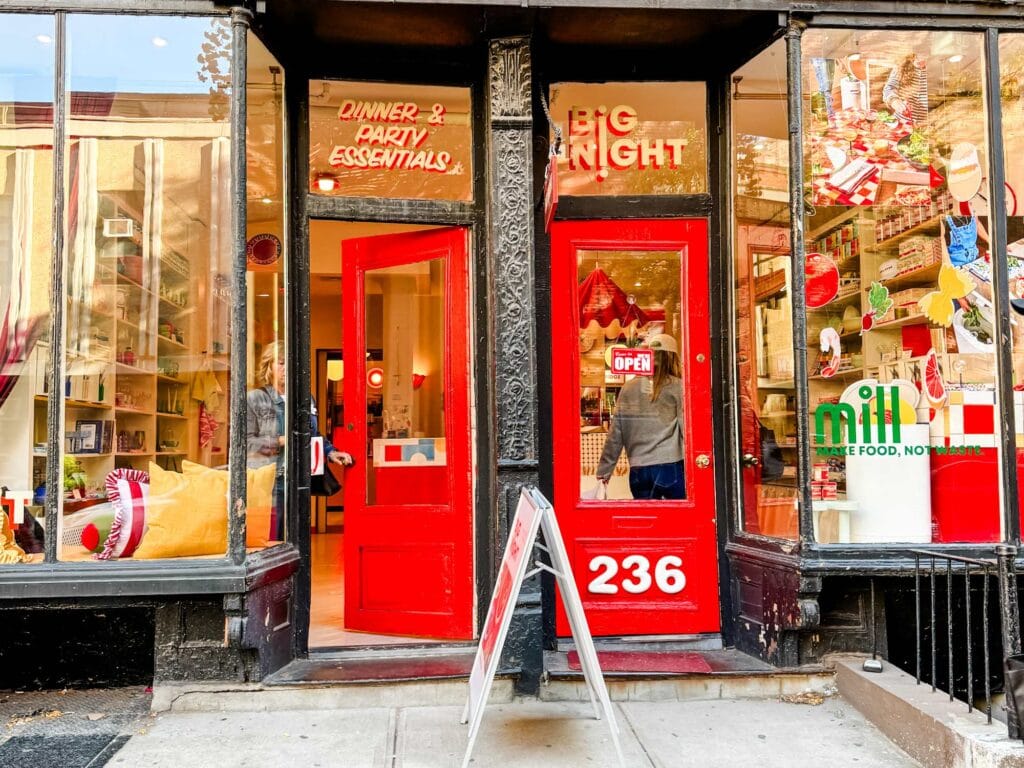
point(408, 498)
point(642, 566)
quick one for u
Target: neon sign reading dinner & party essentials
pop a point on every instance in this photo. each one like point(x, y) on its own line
point(601, 140)
point(397, 144)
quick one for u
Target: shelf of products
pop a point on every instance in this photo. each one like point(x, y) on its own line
point(133, 348)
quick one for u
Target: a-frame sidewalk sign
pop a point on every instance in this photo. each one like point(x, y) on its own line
point(534, 513)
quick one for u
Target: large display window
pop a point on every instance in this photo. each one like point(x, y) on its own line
point(148, 259)
point(1011, 72)
point(145, 299)
point(763, 282)
point(26, 198)
point(900, 323)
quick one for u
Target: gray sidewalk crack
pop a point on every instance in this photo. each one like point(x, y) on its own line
point(624, 715)
point(391, 740)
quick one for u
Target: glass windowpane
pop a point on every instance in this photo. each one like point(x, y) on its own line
point(26, 202)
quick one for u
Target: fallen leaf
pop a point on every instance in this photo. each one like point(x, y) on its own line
point(813, 698)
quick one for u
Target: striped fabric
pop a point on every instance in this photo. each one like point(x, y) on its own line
point(127, 490)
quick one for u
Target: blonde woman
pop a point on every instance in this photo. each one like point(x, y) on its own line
point(648, 425)
point(265, 419)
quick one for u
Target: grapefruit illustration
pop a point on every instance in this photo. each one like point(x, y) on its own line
point(934, 386)
point(822, 283)
point(906, 409)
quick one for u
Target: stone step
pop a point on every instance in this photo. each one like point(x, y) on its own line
point(926, 725)
point(710, 641)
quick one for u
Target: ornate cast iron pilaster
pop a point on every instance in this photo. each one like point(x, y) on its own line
point(510, 256)
point(510, 194)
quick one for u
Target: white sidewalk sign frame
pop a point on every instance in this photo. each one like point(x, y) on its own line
point(533, 513)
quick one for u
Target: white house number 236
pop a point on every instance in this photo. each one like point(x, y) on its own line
point(667, 576)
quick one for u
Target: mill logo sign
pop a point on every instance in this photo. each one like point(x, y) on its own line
point(878, 429)
point(873, 431)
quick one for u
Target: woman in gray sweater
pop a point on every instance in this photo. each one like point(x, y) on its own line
point(648, 424)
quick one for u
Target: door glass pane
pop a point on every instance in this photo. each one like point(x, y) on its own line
point(405, 384)
point(631, 395)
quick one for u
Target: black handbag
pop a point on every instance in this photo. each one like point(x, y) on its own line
point(324, 485)
point(772, 462)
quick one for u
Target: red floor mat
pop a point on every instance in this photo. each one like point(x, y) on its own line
point(678, 662)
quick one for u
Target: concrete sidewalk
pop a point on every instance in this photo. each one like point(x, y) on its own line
point(522, 733)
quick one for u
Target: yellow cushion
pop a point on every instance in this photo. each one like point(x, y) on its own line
point(259, 492)
point(186, 515)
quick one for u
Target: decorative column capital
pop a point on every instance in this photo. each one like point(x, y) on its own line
point(509, 86)
point(242, 16)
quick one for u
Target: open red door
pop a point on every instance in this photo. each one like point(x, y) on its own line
point(408, 499)
point(642, 566)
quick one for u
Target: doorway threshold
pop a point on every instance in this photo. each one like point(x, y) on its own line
point(706, 641)
point(384, 664)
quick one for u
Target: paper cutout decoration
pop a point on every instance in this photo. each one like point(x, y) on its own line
point(822, 280)
point(964, 172)
point(880, 303)
point(934, 386)
point(937, 306)
point(864, 392)
point(830, 342)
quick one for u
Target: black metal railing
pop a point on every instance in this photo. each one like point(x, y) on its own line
point(940, 572)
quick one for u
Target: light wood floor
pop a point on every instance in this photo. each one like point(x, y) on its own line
point(327, 605)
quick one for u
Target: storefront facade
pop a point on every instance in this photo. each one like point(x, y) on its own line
point(480, 219)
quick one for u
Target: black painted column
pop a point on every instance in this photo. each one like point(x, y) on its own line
point(510, 256)
point(241, 19)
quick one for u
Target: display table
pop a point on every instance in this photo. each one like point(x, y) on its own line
point(832, 521)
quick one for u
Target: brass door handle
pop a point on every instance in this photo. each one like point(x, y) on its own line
point(703, 461)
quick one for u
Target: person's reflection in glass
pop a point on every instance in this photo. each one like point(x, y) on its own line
point(265, 436)
point(648, 425)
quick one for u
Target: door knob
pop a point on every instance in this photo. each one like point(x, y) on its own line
point(703, 461)
point(750, 460)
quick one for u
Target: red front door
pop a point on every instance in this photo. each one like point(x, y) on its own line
point(642, 566)
point(408, 499)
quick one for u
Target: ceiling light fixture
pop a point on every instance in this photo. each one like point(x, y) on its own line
point(44, 39)
point(956, 58)
point(266, 201)
point(160, 42)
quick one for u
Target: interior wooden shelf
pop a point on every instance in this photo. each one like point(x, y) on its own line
point(909, 320)
point(885, 246)
point(926, 275)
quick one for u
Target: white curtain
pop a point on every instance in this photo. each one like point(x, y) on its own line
point(220, 243)
point(83, 262)
point(20, 281)
point(152, 245)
